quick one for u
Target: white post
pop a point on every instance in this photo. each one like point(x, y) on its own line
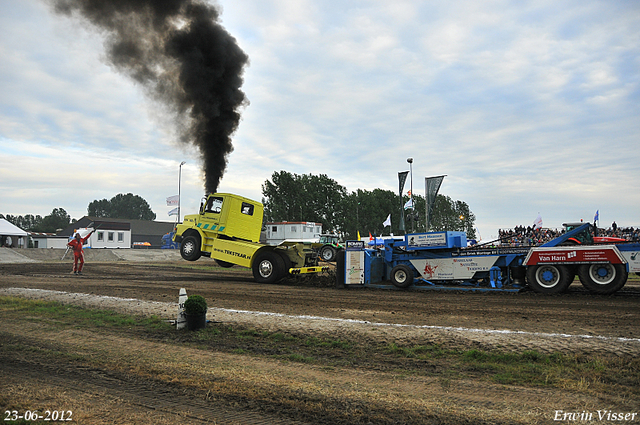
point(181, 321)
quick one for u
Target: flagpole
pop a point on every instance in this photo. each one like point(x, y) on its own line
point(413, 217)
point(179, 181)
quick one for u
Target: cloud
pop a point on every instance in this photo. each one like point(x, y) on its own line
point(527, 107)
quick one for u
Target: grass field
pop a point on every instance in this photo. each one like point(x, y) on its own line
point(612, 380)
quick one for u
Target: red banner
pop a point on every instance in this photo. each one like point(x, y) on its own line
point(574, 255)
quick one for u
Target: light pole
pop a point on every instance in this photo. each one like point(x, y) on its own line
point(179, 181)
point(413, 217)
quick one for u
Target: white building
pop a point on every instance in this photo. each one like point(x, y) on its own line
point(48, 240)
point(290, 231)
point(107, 235)
point(111, 235)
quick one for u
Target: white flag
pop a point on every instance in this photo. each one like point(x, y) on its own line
point(173, 212)
point(537, 224)
point(409, 204)
point(172, 200)
point(387, 222)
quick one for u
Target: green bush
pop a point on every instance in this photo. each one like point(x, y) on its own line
point(195, 304)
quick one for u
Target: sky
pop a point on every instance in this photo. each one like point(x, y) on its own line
point(527, 107)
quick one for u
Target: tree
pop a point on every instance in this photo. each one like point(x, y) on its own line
point(293, 197)
point(128, 206)
point(366, 211)
point(27, 222)
point(452, 215)
point(57, 220)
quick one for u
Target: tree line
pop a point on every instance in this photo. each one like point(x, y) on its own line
point(307, 197)
point(129, 206)
point(292, 197)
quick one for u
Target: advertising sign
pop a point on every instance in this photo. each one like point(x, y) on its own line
point(573, 255)
point(422, 240)
point(354, 263)
point(633, 258)
point(454, 268)
point(354, 245)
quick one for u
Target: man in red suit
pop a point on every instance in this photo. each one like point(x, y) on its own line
point(78, 254)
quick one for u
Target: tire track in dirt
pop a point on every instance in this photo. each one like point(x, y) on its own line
point(378, 331)
point(151, 395)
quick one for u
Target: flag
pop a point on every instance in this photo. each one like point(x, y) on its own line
point(172, 200)
point(537, 223)
point(359, 235)
point(402, 177)
point(597, 216)
point(409, 204)
point(173, 212)
point(387, 222)
point(431, 188)
point(409, 193)
point(370, 237)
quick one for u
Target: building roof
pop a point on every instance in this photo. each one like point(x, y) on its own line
point(141, 230)
point(45, 235)
point(138, 227)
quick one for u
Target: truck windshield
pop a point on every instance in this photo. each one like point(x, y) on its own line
point(214, 205)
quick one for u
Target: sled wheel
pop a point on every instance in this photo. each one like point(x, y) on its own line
point(604, 278)
point(548, 279)
point(402, 276)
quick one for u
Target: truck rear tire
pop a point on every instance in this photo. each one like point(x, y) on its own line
point(602, 278)
point(190, 248)
point(548, 278)
point(268, 267)
point(328, 253)
point(402, 276)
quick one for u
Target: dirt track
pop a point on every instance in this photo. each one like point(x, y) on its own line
point(573, 322)
point(546, 323)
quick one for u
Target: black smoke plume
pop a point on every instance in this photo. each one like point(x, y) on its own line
point(183, 57)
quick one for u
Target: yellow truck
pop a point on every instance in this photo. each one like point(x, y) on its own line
point(227, 229)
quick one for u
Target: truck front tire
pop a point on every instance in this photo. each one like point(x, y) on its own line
point(190, 248)
point(548, 278)
point(268, 267)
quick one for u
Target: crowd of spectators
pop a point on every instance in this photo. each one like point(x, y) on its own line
point(527, 236)
point(626, 233)
point(531, 236)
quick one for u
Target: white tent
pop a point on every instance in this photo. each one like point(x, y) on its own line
point(11, 235)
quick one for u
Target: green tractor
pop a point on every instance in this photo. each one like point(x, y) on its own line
point(327, 247)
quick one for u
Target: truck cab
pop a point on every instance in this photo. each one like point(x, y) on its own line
point(227, 229)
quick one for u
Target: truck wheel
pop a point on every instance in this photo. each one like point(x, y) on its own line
point(224, 264)
point(402, 276)
point(328, 253)
point(268, 267)
point(190, 248)
point(602, 278)
point(548, 279)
